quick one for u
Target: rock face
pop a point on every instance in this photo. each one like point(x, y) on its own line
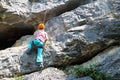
point(14, 26)
point(52, 74)
point(73, 41)
point(83, 41)
point(107, 61)
point(49, 73)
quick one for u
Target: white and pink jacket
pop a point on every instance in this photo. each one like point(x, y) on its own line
point(41, 34)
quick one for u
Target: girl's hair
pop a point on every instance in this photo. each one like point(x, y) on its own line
point(41, 26)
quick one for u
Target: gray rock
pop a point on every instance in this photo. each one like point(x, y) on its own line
point(7, 79)
point(46, 74)
point(70, 77)
point(76, 46)
point(13, 26)
point(107, 61)
point(84, 78)
point(14, 61)
point(52, 74)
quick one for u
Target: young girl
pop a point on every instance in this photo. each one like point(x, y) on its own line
point(40, 38)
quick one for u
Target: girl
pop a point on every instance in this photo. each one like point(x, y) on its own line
point(40, 39)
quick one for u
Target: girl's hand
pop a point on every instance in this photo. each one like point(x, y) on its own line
point(48, 43)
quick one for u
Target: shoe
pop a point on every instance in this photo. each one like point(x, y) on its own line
point(41, 65)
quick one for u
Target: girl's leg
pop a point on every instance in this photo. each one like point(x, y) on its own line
point(39, 59)
point(37, 42)
point(39, 56)
point(29, 47)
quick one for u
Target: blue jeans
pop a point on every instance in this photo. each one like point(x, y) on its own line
point(37, 42)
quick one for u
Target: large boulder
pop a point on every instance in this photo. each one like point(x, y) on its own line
point(12, 27)
point(22, 19)
point(48, 73)
point(52, 74)
point(83, 38)
point(107, 61)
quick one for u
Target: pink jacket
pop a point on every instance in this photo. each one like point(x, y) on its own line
point(41, 34)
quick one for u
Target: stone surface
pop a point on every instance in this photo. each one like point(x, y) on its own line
point(107, 61)
point(7, 79)
point(9, 33)
point(71, 42)
point(47, 74)
point(14, 13)
point(52, 74)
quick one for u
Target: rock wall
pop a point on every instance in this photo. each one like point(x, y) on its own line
point(79, 35)
point(25, 16)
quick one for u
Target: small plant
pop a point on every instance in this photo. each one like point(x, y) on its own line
point(114, 15)
point(92, 71)
point(17, 77)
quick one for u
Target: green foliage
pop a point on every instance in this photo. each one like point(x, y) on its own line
point(17, 77)
point(114, 15)
point(92, 71)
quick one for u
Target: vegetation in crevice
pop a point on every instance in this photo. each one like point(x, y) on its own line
point(17, 77)
point(92, 71)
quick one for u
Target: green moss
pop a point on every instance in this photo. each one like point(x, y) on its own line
point(17, 77)
point(114, 15)
point(93, 72)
